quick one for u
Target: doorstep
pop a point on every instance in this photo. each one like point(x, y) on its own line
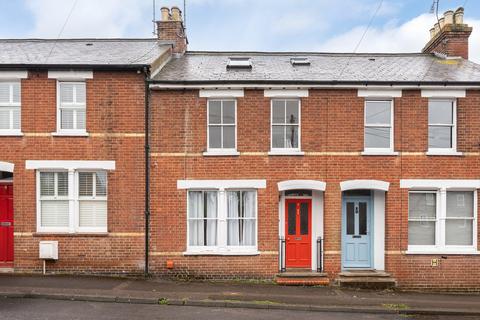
point(302, 277)
point(365, 279)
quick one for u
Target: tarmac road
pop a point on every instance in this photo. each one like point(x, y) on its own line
point(36, 309)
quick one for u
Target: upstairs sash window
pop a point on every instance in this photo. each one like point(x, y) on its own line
point(285, 124)
point(72, 107)
point(10, 107)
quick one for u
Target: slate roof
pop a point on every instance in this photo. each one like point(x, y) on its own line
point(75, 52)
point(210, 67)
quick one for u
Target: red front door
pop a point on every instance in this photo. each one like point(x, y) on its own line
point(6, 224)
point(298, 230)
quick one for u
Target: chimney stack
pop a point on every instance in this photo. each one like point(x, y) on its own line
point(171, 28)
point(449, 35)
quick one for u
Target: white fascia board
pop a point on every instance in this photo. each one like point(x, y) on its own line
point(379, 93)
point(6, 166)
point(301, 184)
point(286, 93)
point(69, 165)
point(70, 75)
point(237, 93)
point(439, 184)
point(444, 93)
point(13, 75)
point(166, 86)
point(221, 184)
point(364, 184)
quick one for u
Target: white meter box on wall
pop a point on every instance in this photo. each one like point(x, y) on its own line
point(48, 250)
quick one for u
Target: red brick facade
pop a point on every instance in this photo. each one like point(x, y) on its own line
point(115, 113)
point(332, 130)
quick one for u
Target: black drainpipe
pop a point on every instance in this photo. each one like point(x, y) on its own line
point(147, 170)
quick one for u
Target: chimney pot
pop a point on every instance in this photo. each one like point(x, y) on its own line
point(436, 26)
point(441, 22)
point(165, 13)
point(458, 16)
point(432, 33)
point(448, 15)
point(176, 14)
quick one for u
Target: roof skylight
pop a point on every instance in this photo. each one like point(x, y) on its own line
point(300, 61)
point(239, 63)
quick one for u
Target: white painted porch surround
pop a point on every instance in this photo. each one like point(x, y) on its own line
point(317, 187)
point(378, 198)
point(6, 166)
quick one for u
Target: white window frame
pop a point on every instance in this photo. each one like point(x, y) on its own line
point(74, 204)
point(10, 105)
point(79, 198)
point(380, 151)
point(453, 149)
point(221, 151)
point(286, 151)
point(70, 132)
point(222, 223)
point(440, 246)
point(41, 198)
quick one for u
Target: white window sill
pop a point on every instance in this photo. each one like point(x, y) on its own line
point(379, 153)
point(70, 134)
point(221, 252)
point(286, 152)
point(446, 251)
point(444, 153)
point(11, 133)
point(221, 153)
point(70, 234)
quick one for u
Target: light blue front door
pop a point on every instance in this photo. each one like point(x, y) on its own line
point(356, 233)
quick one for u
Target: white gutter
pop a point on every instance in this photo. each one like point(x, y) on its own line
point(296, 86)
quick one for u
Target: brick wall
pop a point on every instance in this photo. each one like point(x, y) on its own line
point(115, 113)
point(332, 137)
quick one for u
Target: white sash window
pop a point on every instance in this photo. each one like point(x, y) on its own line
point(241, 218)
point(285, 122)
point(222, 129)
point(378, 126)
point(54, 201)
point(222, 216)
point(92, 195)
point(442, 221)
point(71, 201)
point(222, 221)
point(442, 126)
point(10, 108)
point(72, 105)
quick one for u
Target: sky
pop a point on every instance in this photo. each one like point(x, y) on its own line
point(245, 25)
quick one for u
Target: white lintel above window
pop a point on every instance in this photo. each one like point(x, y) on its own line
point(444, 93)
point(71, 75)
point(379, 93)
point(286, 93)
point(13, 75)
point(218, 93)
point(433, 184)
point(221, 184)
point(69, 165)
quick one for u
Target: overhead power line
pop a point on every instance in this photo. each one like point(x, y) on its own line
point(380, 3)
point(61, 30)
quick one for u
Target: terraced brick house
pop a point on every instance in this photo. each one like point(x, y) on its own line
point(306, 168)
point(72, 150)
point(315, 168)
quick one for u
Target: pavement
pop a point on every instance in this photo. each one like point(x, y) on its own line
point(245, 295)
